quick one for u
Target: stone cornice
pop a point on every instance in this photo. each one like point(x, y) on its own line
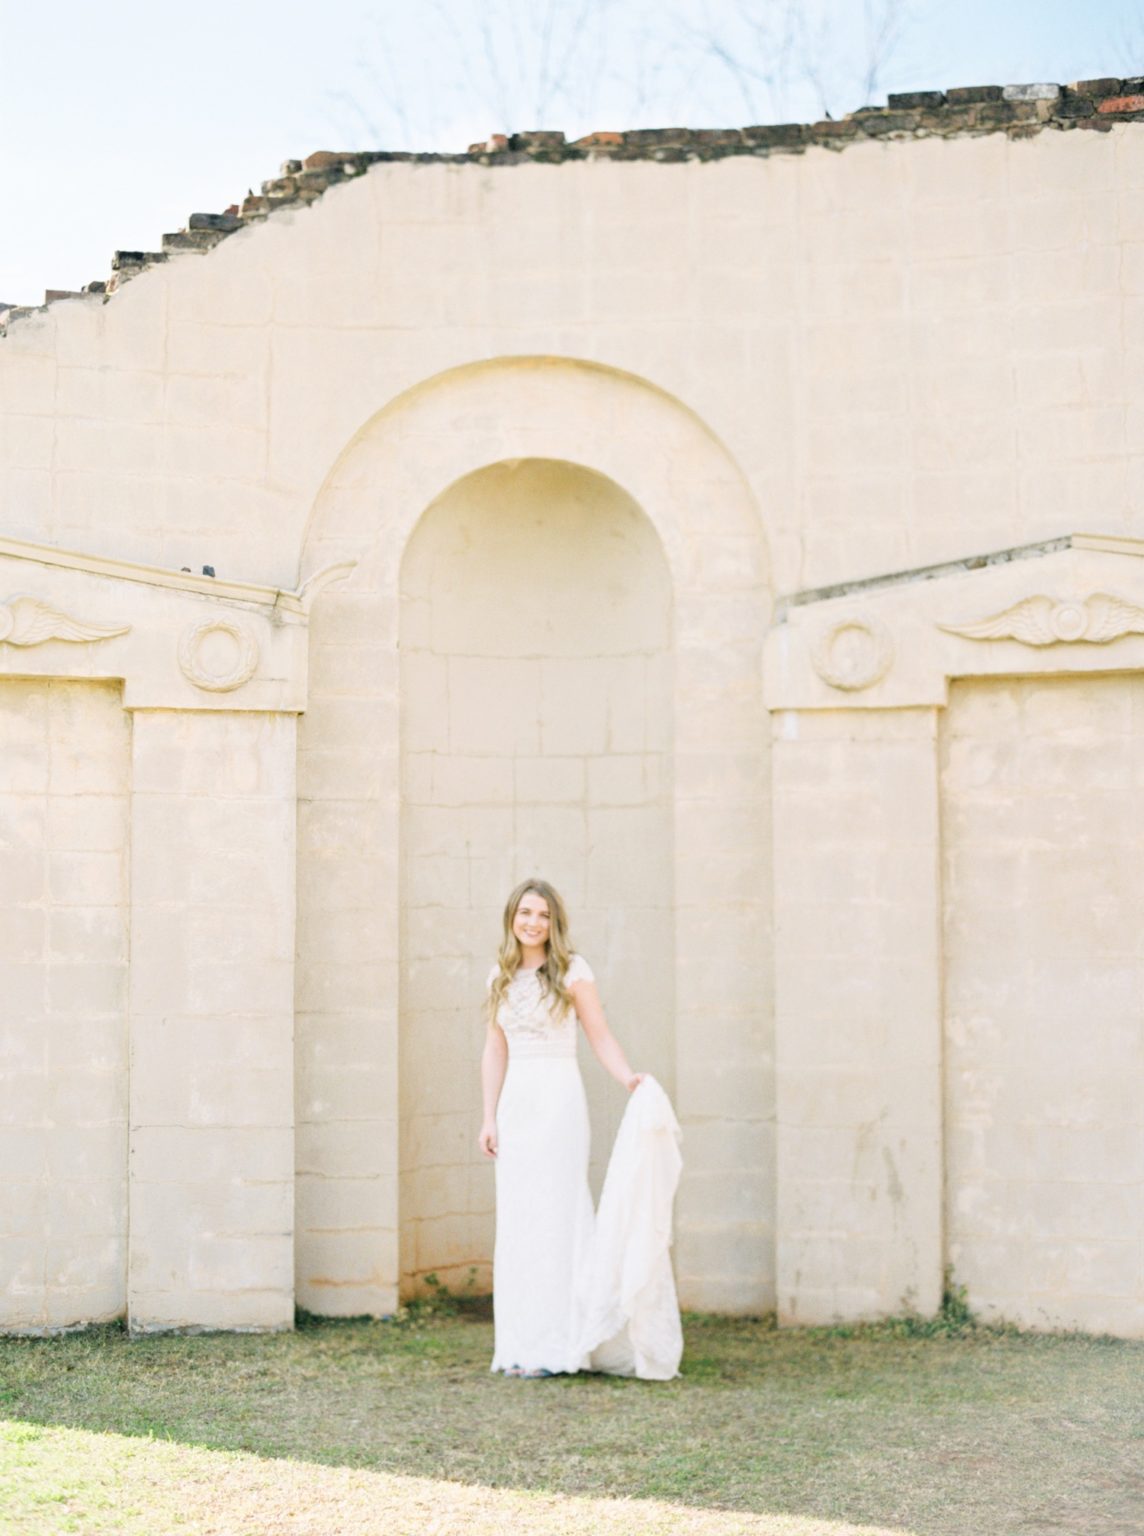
point(296, 604)
point(1073, 604)
point(174, 640)
point(1019, 111)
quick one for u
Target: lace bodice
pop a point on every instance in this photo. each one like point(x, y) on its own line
point(531, 1022)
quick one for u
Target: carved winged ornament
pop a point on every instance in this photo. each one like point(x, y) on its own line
point(1044, 620)
point(27, 621)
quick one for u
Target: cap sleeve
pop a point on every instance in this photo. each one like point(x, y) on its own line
point(578, 970)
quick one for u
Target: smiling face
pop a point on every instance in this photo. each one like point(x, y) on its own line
point(531, 924)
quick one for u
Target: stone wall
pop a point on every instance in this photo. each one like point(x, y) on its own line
point(823, 422)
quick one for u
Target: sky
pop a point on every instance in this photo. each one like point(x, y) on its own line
point(117, 122)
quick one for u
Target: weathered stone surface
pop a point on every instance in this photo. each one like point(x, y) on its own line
point(599, 140)
point(967, 95)
point(323, 159)
point(878, 123)
point(835, 129)
point(192, 239)
point(781, 135)
point(904, 100)
point(1000, 114)
point(1106, 86)
point(1124, 104)
point(224, 223)
point(1073, 105)
point(638, 137)
point(537, 139)
point(1036, 92)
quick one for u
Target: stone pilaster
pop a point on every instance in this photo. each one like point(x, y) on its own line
point(858, 1029)
point(211, 1020)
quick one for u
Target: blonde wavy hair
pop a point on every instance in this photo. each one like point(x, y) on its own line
point(557, 956)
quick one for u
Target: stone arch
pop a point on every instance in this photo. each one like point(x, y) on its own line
point(675, 470)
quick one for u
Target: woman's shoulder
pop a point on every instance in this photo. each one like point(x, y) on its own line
point(578, 970)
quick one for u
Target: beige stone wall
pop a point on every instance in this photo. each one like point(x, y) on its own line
point(65, 752)
point(786, 372)
point(1043, 874)
point(536, 689)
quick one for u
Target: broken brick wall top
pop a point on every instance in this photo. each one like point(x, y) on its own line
point(1019, 111)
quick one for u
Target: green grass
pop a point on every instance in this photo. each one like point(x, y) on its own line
point(936, 1429)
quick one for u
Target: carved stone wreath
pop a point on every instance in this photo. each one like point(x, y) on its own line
point(853, 653)
point(216, 679)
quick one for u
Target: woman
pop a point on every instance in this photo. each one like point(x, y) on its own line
point(536, 1128)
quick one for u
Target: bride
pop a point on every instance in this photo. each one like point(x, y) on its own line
point(536, 1128)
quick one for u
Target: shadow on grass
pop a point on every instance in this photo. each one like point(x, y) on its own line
point(934, 1427)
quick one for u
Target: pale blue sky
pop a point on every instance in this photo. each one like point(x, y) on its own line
point(118, 121)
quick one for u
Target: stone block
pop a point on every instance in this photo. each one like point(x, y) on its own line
point(184, 1309)
point(494, 706)
point(363, 1261)
point(573, 710)
point(548, 780)
point(92, 989)
point(1126, 105)
point(322, 987)
point(346, 1149)
point(462, 780)
point(325, 1206)
point(439, 879)
point(198, 347)
point(969, 95)
point(1035, 92)
point(904, 100)
point(26, 1103)
point(549, 838)
point(164, 1154)
point(23, 935)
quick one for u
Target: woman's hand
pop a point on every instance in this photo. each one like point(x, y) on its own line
point(634, 1081)
point(487, 1140)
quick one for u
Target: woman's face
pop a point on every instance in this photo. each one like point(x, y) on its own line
point(532, 921)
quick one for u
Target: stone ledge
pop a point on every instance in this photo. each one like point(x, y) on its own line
point(1020, 111)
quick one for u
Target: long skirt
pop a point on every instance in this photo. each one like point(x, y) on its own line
point(544, 1218)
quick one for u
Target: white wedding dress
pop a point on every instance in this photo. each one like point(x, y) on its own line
point(571, 1293)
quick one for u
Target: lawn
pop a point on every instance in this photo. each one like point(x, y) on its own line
point(347, 1429)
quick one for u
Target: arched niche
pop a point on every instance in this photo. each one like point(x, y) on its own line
point(536, 738)
point(600, 426)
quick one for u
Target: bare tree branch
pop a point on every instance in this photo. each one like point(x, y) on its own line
point(515, 64)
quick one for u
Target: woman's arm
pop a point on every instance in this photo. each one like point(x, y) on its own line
point(609, 1052)
point(494, 1064)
